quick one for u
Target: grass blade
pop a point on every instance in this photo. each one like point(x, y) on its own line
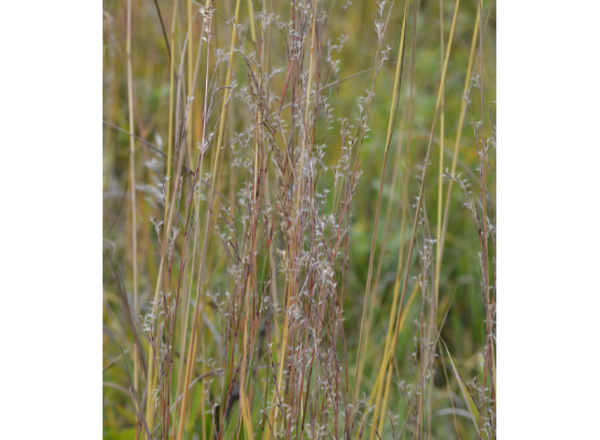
point(473, 412)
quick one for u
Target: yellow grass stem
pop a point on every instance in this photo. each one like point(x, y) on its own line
point(199, 305)
point(245, 404)
point(376, 390)
point(411, 246)
point(404, 194)
point(171, 99)
point(169, 211)
point(167, 224)
point(390, 132)
point(461, 120)
point(392, 116)
point(190, 45)
point(132, 183)
point(192, 76)
point(188, 299)
point(441, 236)
point(225, 97)
point(212, 208)
point(432, 330)
point(252, 25)
point(169, 217)
point(390, 354)
point(191, 356)
point(246, 413)
point(473, 412)
point(202, 339)
point(444, 369)
point(390, 340)
point(440, 174)
point(375, 299)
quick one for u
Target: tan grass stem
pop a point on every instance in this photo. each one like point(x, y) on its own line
point(463, 113)
point(392, 117)
point(484, 218)
point(441, 171)
point(377, 387)
point(171, 99)
point(375, 299)
point(167, 216)
point(190, 75)
point(422, 185)
point(432, 328)
point(136, 357)
point(199, 305)
point(252, 25)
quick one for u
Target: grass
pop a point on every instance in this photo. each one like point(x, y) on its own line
point(253, 287)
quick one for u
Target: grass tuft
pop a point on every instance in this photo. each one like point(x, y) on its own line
point(253, 286)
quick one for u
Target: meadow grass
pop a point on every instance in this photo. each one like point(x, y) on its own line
point(270, 270)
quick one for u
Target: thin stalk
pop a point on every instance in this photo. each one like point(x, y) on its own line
point(186, 299)
point(252, 25)
point(463, 112)
point(199, 306)
point(136, 357)
point(184, 330)
point(168, 216)
point(438, 261)
point(196, 202)
point(441, 170)
point(390, 129)
point(290, 296)
point(461, 120)
point(484, 238)
point(307, 108)
point(211, 208)
point(377, 388)
point(244, 381)
point(202, 338)
point(272, 262)
point(422, 185)
point(171, 99)
point(190, 74)
point(444, 369)
point(162, 25)
point(186, 375)
point(376, 393)
point(374, 302)
point(244, 402)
